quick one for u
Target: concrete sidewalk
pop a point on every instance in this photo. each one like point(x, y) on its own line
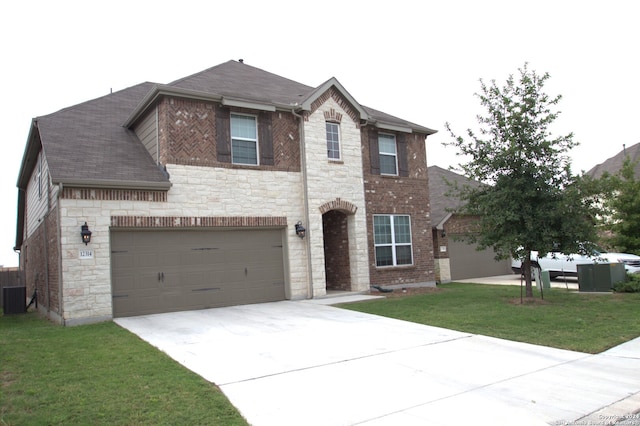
point(569, 283)
point(292, 363)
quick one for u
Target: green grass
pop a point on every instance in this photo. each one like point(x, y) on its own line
point(581, 322)
point(98, 374)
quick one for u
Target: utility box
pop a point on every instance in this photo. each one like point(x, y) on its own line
point(600, 277)
point(545, 278)
point(618, 273)
point(14, 300)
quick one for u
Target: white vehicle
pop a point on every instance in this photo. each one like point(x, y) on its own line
point(560, 264)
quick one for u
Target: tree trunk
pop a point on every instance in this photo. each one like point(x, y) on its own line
point(526, 270)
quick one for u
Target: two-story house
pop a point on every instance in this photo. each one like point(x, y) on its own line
point(229, 186)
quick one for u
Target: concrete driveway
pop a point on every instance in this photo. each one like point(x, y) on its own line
point(304, 362)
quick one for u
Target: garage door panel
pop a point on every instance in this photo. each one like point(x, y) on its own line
point(121, 259)
point(122, 283)
point(467, 262)
point(199, 269)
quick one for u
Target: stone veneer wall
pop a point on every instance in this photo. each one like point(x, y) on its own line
point(441, 256)
point(197, 192)
point(329, 180)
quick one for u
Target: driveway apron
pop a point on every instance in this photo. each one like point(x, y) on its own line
point(303, 362)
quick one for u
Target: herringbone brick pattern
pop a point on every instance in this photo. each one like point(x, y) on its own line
point(187, 136)
point(286, 142)
point(188, 131)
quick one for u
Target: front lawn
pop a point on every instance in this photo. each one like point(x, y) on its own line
point(98, 374)
point(565, 319)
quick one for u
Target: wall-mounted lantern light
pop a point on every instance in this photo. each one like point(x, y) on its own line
point(85, 234)
point(300, 231)
point(444, 233)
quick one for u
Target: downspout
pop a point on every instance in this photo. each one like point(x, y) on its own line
point(305, 195)
point(157, 138)
point(46, 240)
point(60, 283)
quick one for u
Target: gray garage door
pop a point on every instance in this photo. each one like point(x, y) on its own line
point(467, 262)
point(165, 271)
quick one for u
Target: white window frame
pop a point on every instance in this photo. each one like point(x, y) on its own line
point(244, 139)
point(393, 244)
point(337, 133)
point(388, 154)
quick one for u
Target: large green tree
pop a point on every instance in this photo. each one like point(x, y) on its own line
point(623, 208)
point(530, 200)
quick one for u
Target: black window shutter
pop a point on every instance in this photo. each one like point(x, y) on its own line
point(374, 152)
point(223, 134)
point(403, 160)
point(265, 138)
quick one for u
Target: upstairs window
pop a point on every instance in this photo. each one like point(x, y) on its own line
point(333, 141)
point(244, 139)
point(392, 239)
point(388, 154)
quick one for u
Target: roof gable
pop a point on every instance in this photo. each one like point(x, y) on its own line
point(86, 145)
point(614, 164)
point(439, 201)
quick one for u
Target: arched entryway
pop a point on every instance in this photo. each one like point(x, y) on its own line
point(337, 267)
point(336, 216)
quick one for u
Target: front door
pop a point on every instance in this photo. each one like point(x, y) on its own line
point(336, 250)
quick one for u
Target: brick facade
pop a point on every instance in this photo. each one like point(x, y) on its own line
point(460, 225)
point(295, 180)
point(401, 195)
point(188, 130)
point(40, 260)
point(455, 225)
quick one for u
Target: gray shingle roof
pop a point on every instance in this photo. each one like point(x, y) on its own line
point(239, 80)
point(88, 145)
point(614, 164)
point(243, 81)
point(438, 189)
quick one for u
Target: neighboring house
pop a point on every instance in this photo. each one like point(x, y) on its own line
point(456, 259)
point(194, 191)
point(614, 164)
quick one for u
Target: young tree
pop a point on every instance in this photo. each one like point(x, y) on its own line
point(531, 200)
point(623, 207)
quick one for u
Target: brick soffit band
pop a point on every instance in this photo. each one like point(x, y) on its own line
point(197, 222)
point(114, 194)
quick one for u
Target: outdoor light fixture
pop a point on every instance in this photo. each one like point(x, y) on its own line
point(300, 231)
point(85, 234)
point(444, 233)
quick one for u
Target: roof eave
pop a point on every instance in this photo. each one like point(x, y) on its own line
point(114, 184)
point(405, 128)
point(30, 155)
point(164, 90)
point(440, 225)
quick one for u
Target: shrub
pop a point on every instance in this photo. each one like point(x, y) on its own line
point(631, 285)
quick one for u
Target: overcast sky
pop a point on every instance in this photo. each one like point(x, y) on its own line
point(418, 60)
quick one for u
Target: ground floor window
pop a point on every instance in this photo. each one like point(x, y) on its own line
point(392, 239)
